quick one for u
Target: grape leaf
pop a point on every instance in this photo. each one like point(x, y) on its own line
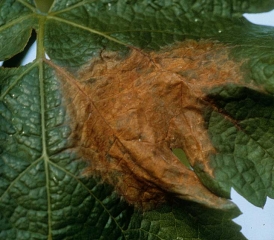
point(45, 191)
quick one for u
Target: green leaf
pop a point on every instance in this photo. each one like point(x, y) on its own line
point(15, 20)
point(184, 221)
point(44, 190)
point(244, 142)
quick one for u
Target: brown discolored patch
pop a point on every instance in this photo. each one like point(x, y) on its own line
point(128, 113)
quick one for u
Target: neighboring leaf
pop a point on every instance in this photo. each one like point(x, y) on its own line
point(17, 60)
point(184, 221)
point(16, 23)
point(44, 193)
point(244, 140)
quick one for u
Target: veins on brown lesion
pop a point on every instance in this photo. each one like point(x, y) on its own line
point(159, 96)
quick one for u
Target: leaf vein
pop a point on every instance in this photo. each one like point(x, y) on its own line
point(29, 6)
point(72, 6)
point(89, 30)
point(16, 21)
point(89, 191)
point(19, 176)
point(17, 80)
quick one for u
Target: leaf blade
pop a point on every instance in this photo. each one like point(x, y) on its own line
point(58, 163)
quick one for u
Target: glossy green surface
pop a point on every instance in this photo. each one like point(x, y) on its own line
point(42, 192)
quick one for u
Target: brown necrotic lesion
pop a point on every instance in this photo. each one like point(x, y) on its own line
point(128, 113)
